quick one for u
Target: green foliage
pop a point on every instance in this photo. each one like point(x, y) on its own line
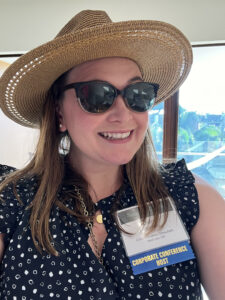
point(196, 133)
point(185, 139)
point(188, 120)
point(208, 133)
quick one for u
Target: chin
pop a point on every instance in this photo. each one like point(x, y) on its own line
point(121, 161)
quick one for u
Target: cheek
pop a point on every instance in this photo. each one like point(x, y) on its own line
point(143, 121)
point(72, 114)
point(81, 124)
point(77, 125)
point(75, 117)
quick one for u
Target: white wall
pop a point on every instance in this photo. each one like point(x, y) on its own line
point(27, 23)
point(17, 143)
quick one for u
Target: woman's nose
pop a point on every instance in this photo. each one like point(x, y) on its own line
point(119, 111)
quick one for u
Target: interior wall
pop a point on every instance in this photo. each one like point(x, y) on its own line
point(27, 23)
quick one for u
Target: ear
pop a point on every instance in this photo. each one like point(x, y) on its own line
point(59, 114)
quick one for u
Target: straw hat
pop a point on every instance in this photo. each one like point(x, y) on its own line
point(161, 51)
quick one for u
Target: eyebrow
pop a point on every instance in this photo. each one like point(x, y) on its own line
point(136, 78)
point(132, 80)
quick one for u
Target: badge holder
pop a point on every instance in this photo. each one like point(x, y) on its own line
point(160, 248)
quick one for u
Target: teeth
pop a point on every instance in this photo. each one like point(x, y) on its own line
point(115, 135)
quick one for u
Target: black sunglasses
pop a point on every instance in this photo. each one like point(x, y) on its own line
point(98, 96)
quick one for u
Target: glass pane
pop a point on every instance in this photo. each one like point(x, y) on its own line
point(201, 136)
point(156, 126)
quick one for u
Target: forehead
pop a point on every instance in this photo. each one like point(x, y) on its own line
point(102, 68)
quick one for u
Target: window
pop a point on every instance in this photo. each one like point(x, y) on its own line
point(156, 117)
point(201, 131)
point(194, 119)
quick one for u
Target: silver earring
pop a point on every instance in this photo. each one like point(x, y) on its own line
point(64, 145)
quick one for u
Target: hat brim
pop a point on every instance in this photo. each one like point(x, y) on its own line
point(161, 51)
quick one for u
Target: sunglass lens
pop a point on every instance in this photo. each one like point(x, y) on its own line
point(140, 96)
point(96, 97)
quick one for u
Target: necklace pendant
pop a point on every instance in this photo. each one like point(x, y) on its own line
point(99, 219)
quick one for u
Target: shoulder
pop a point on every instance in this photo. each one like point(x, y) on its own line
point(177, 173)
point(4, 170)
point(210, 200)
point(22, 189)
point(208, 238)
point(14, 198)
point(179, 182)
point(212, 206)
point(212, 209)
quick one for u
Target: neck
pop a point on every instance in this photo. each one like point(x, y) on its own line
point(103, 180)
point(103, 184)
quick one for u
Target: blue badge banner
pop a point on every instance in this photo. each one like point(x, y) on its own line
point(161, 257)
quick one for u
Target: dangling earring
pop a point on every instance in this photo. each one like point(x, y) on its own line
point(64, 144)
point(60, 126)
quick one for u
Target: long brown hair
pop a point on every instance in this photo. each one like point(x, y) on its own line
point(52, 170)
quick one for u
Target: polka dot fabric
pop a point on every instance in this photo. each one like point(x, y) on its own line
point(76, 272)
point(5, 170)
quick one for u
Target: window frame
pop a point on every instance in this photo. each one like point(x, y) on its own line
point(170, 120)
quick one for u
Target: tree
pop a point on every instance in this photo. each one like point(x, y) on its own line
point(208, 133)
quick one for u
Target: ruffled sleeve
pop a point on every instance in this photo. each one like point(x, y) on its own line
point(4, 170)
point(10, 207)
point(180, 184)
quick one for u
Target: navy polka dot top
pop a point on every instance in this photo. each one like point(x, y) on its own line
point(76, 273)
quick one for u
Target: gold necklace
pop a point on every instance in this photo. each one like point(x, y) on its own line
point(90, 225)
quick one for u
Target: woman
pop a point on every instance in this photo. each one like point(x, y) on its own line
point(91, 87)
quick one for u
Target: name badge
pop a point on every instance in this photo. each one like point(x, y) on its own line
point(162, 247)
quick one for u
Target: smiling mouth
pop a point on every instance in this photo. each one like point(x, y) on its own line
point(115, 136)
